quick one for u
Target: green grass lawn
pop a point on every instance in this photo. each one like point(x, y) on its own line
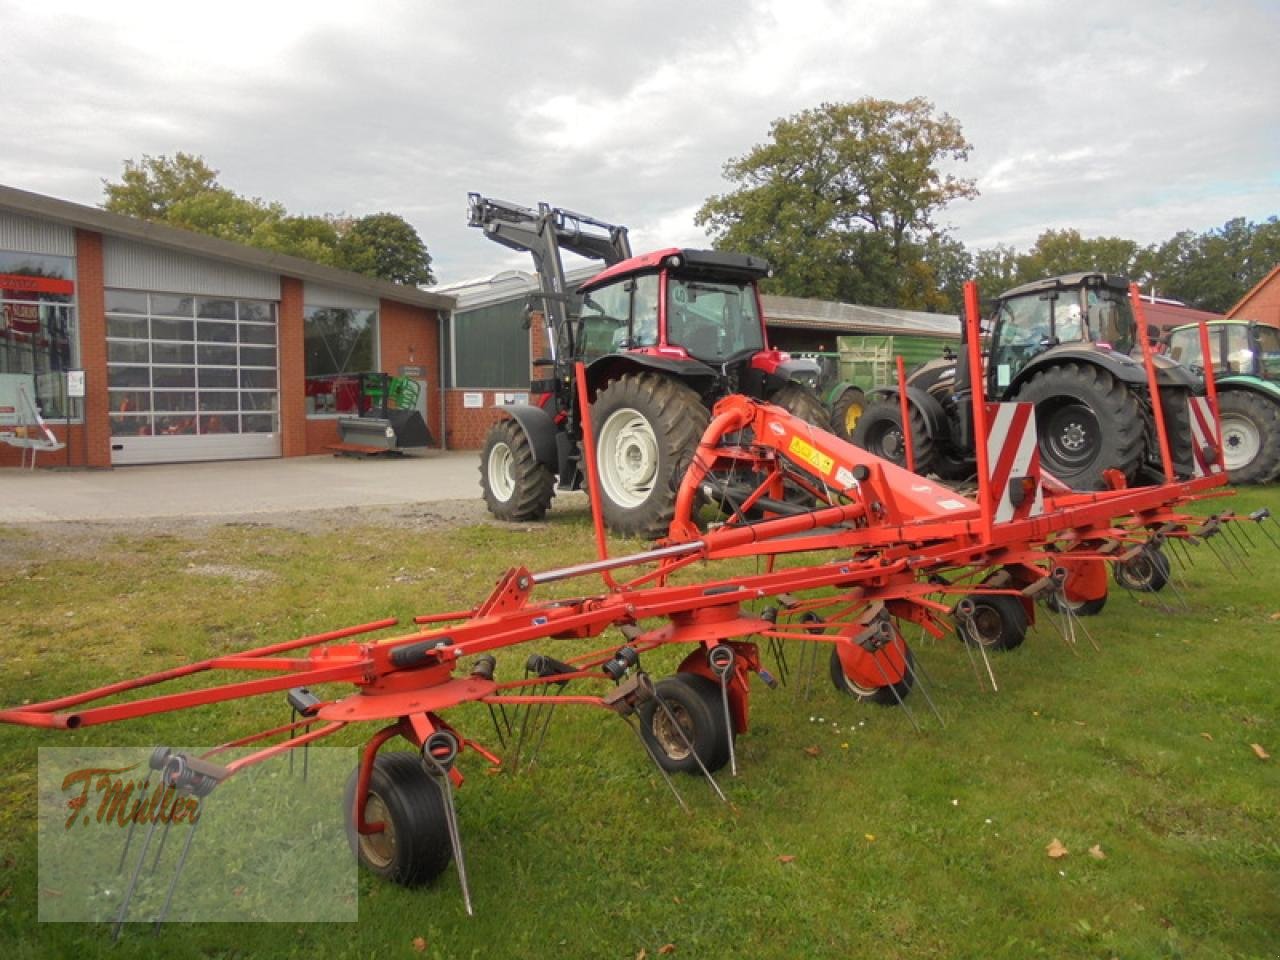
point(849, 833)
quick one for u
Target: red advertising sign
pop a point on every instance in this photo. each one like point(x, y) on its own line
point(17, 283)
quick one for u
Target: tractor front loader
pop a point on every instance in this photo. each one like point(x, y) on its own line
point(662, 337)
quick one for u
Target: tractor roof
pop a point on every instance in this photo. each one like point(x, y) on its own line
point(709, 263)
point(1069, 281)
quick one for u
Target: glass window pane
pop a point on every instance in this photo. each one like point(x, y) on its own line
point(257, 333)
point(128, 426)
point(216, 309)
point(174, 400)
point(227, 400)
point(491, 349)
point(258, 423)
point(132, 327)
point(219, 356)
point(258, 356)
point(180, 425)
point(220, 423)
point(173, 376)
point(172, 329)
point(173, 353)
point(258, 379)
point(128, 377)
point(257, 400)
point(128, 351)
point(163, 304)
point(207, 332)
point(130, 401)
point(338, 340)
point(126, 301)
point(217, 377)
point(259, 311)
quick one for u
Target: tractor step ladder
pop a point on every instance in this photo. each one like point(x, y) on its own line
point(20, 422)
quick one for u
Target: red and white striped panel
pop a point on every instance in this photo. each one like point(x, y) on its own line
point(1013, 453)
point(1204, 433)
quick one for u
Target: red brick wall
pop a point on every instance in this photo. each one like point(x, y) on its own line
point(294, 432)
point(410, 336)
point(1264, 304)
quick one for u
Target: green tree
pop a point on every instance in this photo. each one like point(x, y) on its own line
point(183, 191)
point(1214, 269)
point(1056, 252)
point(841, 200)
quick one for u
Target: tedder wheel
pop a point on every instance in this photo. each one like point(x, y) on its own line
point(694, 702)
point(1088, 422)
point(646, 426)
point(846, 412)
point(879, 431)
point(1081, 608)
point(1250, 436)
point(413, 848)
point(516, 486)
point(999, 622)
point(874, 690)
point(1145, 572)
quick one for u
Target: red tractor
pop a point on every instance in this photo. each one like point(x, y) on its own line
point(663, 336)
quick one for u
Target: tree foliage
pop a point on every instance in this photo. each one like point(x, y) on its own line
point(183, 191)
point(841, 200)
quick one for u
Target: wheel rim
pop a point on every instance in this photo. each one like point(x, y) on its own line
point(502, 473)
point(986, 625)
point(378, 849)
point(1138, 573)
point(851, 415)
point(1072, 435)
point(667, 734)
point(889, 443)
point(627, 456)
point(1241, 442)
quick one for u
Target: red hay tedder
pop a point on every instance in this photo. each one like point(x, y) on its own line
point(868, 546)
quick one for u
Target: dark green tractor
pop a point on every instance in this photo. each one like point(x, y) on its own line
point(1246, 365)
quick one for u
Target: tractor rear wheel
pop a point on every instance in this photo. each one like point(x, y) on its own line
point(646, 426)
point(879, 431)
point(1250, 436)
point(800, 401)
point(1088, 422)
point(693, 718)
point(516, 486)
point(413, 847)
point(846, 412)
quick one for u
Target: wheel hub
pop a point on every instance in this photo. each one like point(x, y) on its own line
point(1241, 443)
point(502, 473)
point(378, 849)
point(667, 734)
point(628, 458)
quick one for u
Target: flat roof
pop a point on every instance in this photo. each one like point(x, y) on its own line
point(803, 313)
point(162, 235)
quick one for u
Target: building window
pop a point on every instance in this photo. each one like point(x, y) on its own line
point(490, 348)
point(341, 344)
point(38, 335)
point(181, 365)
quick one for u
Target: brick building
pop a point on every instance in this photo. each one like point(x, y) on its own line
point(189, 347)
point(1262, 303)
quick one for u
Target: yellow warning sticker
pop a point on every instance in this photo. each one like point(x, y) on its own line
point(803, 450)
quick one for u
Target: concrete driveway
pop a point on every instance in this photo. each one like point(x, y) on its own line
point(236, 487)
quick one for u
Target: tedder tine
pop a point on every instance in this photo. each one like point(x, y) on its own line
point(626, 698)
point(919, 677)
point(1261, 516)
point(675, 725)
point(893, 688)
point(438, 755)
point(963, 612)
point(722, 660)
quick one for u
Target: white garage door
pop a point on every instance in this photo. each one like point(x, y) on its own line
point(191, 378)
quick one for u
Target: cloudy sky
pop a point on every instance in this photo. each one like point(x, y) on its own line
point(1134, 118)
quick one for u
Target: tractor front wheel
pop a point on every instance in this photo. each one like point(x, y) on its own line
point(646, 426)
point(516, 486)
point(1250, 436)
point(846, 412)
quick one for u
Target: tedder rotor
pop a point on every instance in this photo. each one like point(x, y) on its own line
point(870, 546)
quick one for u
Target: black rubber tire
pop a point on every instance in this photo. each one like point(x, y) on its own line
point(1147, 572)
point(879, 431)
point(414, 848)
point(1177, 423)
point(676, 420)
point(696, 704)
point(1081, 608)
point(999, 622)
point(1254, 412)
point(1079, 403)
point(846, 412)
point(507, 460)
point(800, 401)
point(887, 695)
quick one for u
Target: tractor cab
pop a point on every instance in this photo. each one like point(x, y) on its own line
point(1237, 349)
point(1068, 311)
